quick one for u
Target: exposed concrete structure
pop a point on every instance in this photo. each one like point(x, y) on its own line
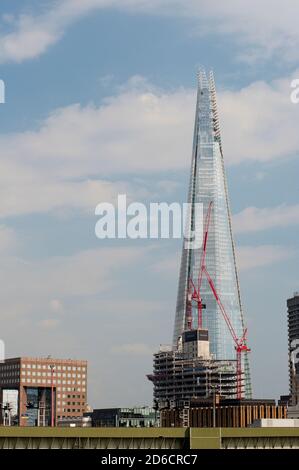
point(293, 412)
point(191, 372)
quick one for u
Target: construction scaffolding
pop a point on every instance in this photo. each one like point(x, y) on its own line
point(191, 372)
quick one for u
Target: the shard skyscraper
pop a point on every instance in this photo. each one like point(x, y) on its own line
point(208, 185)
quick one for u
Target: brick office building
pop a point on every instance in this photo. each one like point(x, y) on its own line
point(38, 380)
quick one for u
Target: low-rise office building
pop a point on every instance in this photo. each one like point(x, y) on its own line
point(142, 417)
point(44, 390)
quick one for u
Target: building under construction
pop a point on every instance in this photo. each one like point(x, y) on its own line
point(208, 290)
point(209, 353)
point(190, 371)
point(293, 340)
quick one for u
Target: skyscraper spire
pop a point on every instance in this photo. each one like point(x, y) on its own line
point(208, 185)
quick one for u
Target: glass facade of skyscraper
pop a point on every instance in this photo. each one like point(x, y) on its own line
point(208, 185)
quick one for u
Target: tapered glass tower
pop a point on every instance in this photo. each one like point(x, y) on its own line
point(208, 185)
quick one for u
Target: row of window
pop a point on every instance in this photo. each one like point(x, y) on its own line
point(55, 382)
point(74, 403)
point(49, 374)
point(71, 410)
point(78, 396)
point(62, 416)
point(9, 374)
point(10, 366)
point(47, 366)
point(63, 403)
point(10, 381)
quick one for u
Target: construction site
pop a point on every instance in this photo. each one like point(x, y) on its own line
point(190, 371)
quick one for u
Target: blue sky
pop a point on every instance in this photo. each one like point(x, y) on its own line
point(100, 99)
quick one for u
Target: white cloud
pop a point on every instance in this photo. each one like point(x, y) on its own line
point(251, 257)
point(31, 35)
point(33, 286)
point(46, 194)
point(253, 219)
point(63, 163)
point(262, 28)
point(140, 131)
point(259, 122)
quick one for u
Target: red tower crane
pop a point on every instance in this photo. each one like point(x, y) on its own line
point(240, 343)
point(194, 294)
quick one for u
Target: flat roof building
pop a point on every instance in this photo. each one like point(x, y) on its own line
point(43, 386)
point(140, 417)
